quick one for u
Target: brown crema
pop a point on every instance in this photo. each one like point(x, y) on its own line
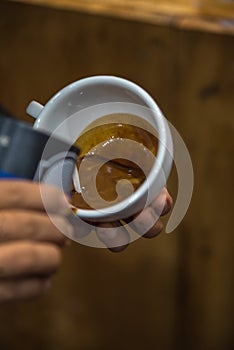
point(101, 164)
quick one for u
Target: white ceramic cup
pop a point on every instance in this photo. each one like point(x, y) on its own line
point(77, 105)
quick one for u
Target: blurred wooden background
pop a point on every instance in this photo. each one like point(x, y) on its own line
point(212, 15)
point(172, 292)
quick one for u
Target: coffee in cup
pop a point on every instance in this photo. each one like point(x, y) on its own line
point(116, 171)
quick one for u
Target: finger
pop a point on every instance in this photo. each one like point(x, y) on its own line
point(155, 230)
point(147, 223)
point(22, 289)
point(26, 225)
point(113, 235)
point(28, 259)
point(28, 195)
point(162, 203)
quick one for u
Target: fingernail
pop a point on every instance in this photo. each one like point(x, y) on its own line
point(167, 207)
point(118, 249)
point(107, 233)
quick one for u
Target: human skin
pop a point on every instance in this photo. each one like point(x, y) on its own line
point(147, 224)
point(31, 245)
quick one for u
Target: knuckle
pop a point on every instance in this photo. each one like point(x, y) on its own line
point(38, 227)
point(30, 255)
point(4, 226)
point(30, 225)
point(106, 233)
point(19, 225)
point(41, 258)
point(56, 254)
point(19, 194)
point(60, 228)
point(145, 221)
point(154, 230)
point(14, 194)
point(144, 217)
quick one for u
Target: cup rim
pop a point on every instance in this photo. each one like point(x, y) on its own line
point(160, 123)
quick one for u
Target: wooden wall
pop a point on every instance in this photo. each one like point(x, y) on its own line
point(173, 292)
point(210, 15)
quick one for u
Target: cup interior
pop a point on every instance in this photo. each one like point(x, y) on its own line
point(79, 96)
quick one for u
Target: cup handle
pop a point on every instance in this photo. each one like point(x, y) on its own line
point(34, 109)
